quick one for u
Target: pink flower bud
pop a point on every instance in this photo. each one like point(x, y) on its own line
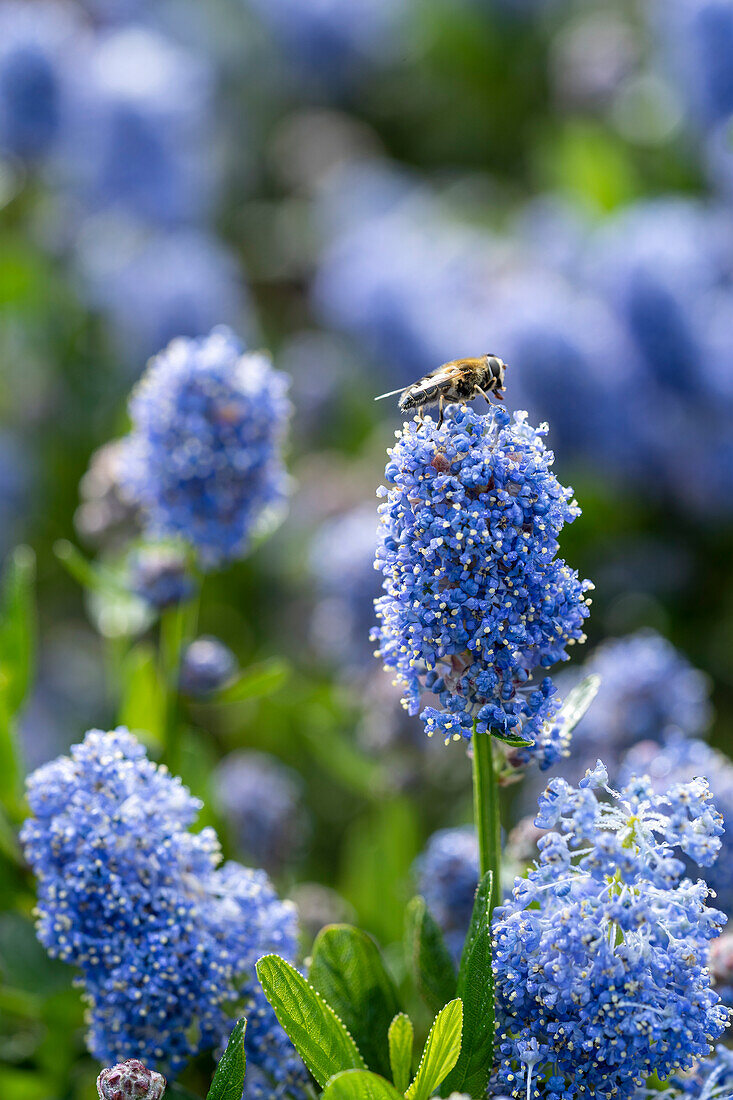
point(131, 1080)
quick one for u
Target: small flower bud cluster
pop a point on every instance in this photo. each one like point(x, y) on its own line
point(131, 1080)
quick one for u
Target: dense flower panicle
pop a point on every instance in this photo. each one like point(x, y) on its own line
point(206, 666)
point(262, 800)
point(681, 759)
point(159, 574)
point(165, 938)
point(600, 954)
point(648, 689)
point(447, 877)
point(204, 457)
point(476, 602)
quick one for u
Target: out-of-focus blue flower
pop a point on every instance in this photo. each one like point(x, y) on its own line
point(600, 954)
point(154, 287)
point(164, 937)
point(262, 800)
point(206, 665)
point(447, 877)
point(680, 759)
point(342, 564)
point(476, 601)
point(160, 575)
point(697, 36)
point(204, 459)
point(335, 41)
point(648, 689)
point(36, 43)
point(137, 139)
point(709, 1078)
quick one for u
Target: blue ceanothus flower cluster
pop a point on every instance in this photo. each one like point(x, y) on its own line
point(165, 937)
point(476, 602)
point(204, 458)
point(601, 952)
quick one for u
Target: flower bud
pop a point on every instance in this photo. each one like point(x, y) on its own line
point(131, 1080)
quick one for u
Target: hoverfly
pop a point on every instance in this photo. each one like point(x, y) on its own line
point(458, 380)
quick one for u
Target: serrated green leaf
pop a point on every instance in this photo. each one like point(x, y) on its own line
point(476, 990)
point(347, 970)
point(256, 681)
point(228, 1081)
point(432, 966)
point(576, 702)
point(400, 1038)
point(441, 1052)
point(481, 906)
point(359, 1084)
point(312, 1026)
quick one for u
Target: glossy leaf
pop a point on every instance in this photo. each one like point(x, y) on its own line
point(577, 702)
point(441, 1052)
point(400, 1050)
point(228, 1081)
point(347, 970)
point(432, 966)
point(314, 1029)
point(476, 990)
point(359, 1084)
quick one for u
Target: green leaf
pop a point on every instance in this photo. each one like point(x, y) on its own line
point(400, 1050)
point(18, 626)
point(576, 702)
point(312, 1026)
point(476, 990)
point(256, 681)
point(359, 1084)
point(347, 970)
point(432, 966)
point(142, 707)
point(228, 1081)
point(511, 739)
point(441, 1052)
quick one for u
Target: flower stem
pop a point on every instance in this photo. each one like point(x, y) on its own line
point(177, 627)
point(486, 811)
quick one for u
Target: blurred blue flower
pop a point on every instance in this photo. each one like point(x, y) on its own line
point(262, 801)
point(164, 937)
point(648, 690)
point(447, 876)
point(602, 948)
point(138, 136)
point(476, 601)
point(153, 287)
point(335, 41)
point(204, 458)
point(36, 46)
point(206, 666)
point(680, 759)
point(342, 565)
point(697, 39)
point(160, 575)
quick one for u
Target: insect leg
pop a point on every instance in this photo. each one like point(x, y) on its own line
point(441, 403)
point(483, 392)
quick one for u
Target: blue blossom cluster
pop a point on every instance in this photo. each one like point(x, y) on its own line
point(476, 601)
point(262, 801)
point(165, 938)
point(159, 574)
point(708, 1079)
point(620, 335)
point(447, 876)
point(648, 690)
point(679, 759)
point(601, 953)
point(204, 458)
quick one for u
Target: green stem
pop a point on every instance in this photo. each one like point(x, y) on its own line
point(177, 628)
point(486, 810)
